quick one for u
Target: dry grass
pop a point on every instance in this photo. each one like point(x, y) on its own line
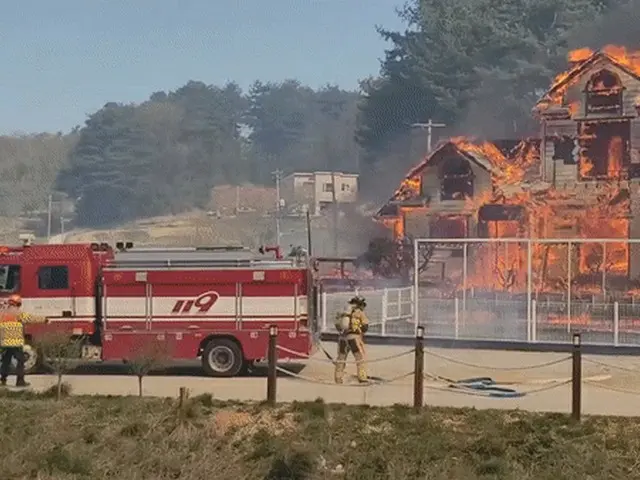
point(140, 438)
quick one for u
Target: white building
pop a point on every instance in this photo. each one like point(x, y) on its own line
point(317, 189)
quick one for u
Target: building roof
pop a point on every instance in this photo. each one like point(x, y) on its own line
point(391, 209)
point(512, 150)
point(312, 174)
point(580, 68)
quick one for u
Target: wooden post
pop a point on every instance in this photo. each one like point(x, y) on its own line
point(418, 378)
point(576, 378)
point(272, 357)
point(184, 394)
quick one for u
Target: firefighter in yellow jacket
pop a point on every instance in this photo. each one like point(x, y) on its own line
point(12, 320)
point(352, 325)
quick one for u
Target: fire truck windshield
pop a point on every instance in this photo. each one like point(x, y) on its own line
point(9, 278)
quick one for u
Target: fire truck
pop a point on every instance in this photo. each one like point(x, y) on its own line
point(212, 303)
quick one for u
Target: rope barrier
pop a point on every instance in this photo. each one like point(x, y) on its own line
point(321, 360)
point(376, 383)
point(609, 365)
point(612, 389)
point(526, 367)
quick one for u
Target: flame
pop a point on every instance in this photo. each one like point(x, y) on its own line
point(592, 211)
point(618, 54)
point(579, 55)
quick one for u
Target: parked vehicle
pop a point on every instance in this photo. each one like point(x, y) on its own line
point(211, 303)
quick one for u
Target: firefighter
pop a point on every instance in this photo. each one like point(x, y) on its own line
point(352, 325)
point(12, 320)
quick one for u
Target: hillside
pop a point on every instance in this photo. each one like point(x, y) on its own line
point(94, 437)
point(250, 229)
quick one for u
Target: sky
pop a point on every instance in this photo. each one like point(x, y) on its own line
point(64, 59)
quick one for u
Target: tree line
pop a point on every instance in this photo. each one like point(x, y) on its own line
point(476, 65)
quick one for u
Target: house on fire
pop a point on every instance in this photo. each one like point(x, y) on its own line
point(588, 147)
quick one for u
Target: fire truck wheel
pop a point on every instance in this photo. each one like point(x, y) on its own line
point(31, 364)
point(222, 358)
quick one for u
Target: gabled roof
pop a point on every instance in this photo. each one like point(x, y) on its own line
point(475, 157)
point(580, 68)
point(389, 209)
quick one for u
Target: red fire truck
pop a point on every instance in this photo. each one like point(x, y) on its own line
point(214, 303)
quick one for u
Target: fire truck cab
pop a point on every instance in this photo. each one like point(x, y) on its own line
point(213, 303)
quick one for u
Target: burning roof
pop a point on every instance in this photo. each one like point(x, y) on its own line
point(507, 161)
point(582, 60)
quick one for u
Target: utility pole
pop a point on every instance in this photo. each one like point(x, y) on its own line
point(49, 208)
point(429, 126)
point(278, 174)
point(237, 200)
point(335, 213)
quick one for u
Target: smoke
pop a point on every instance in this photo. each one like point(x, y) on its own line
point(619, 27)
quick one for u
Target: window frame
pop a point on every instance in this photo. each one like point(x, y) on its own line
point(51, 268)
point(17, 285)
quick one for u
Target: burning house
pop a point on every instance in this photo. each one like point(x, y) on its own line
point(579, 180)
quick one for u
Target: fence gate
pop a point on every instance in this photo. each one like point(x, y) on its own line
point(390, 310)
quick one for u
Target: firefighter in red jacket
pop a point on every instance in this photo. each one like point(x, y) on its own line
point(352, 325)
point(12, 320)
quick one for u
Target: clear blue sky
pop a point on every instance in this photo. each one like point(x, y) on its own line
point(63, 59)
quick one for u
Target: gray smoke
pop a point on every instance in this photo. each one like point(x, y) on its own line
point(621, 26)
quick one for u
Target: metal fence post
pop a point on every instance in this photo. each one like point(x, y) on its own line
point(272, 357)
point(418, 377)
point(529, 291)
point(569, 280)
point(576, 378)
point(534, 321)
point(323, 305)
point(616, 324)
point(385, 306)
point(456, 318)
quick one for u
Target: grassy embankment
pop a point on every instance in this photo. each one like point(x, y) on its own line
point(141, 438)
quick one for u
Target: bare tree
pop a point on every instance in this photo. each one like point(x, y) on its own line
point(59, 353)
point(152, 354)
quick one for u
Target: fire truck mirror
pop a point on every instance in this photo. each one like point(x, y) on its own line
point(120, 245)
point(128, 245)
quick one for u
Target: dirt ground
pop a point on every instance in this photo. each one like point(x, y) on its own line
point(611, 386)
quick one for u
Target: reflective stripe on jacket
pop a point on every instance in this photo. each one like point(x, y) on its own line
point(12, 322)
point(11, 330)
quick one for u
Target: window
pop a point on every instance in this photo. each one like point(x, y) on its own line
point(456, 179)
point(53, 278)
point(9, 278)
point(327, 187)
point(604, 93)
point(346, 187)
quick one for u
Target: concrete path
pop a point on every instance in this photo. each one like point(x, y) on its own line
point(612, 385)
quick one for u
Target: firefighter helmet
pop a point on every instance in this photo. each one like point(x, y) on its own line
point(15, 300)
point(358, 301)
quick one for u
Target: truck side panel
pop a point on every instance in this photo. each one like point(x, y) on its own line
point(182, 310)
point(123, 345)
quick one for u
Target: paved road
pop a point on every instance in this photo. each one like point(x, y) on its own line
point(598, 398)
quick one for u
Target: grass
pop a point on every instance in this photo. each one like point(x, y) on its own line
point(144, 438)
